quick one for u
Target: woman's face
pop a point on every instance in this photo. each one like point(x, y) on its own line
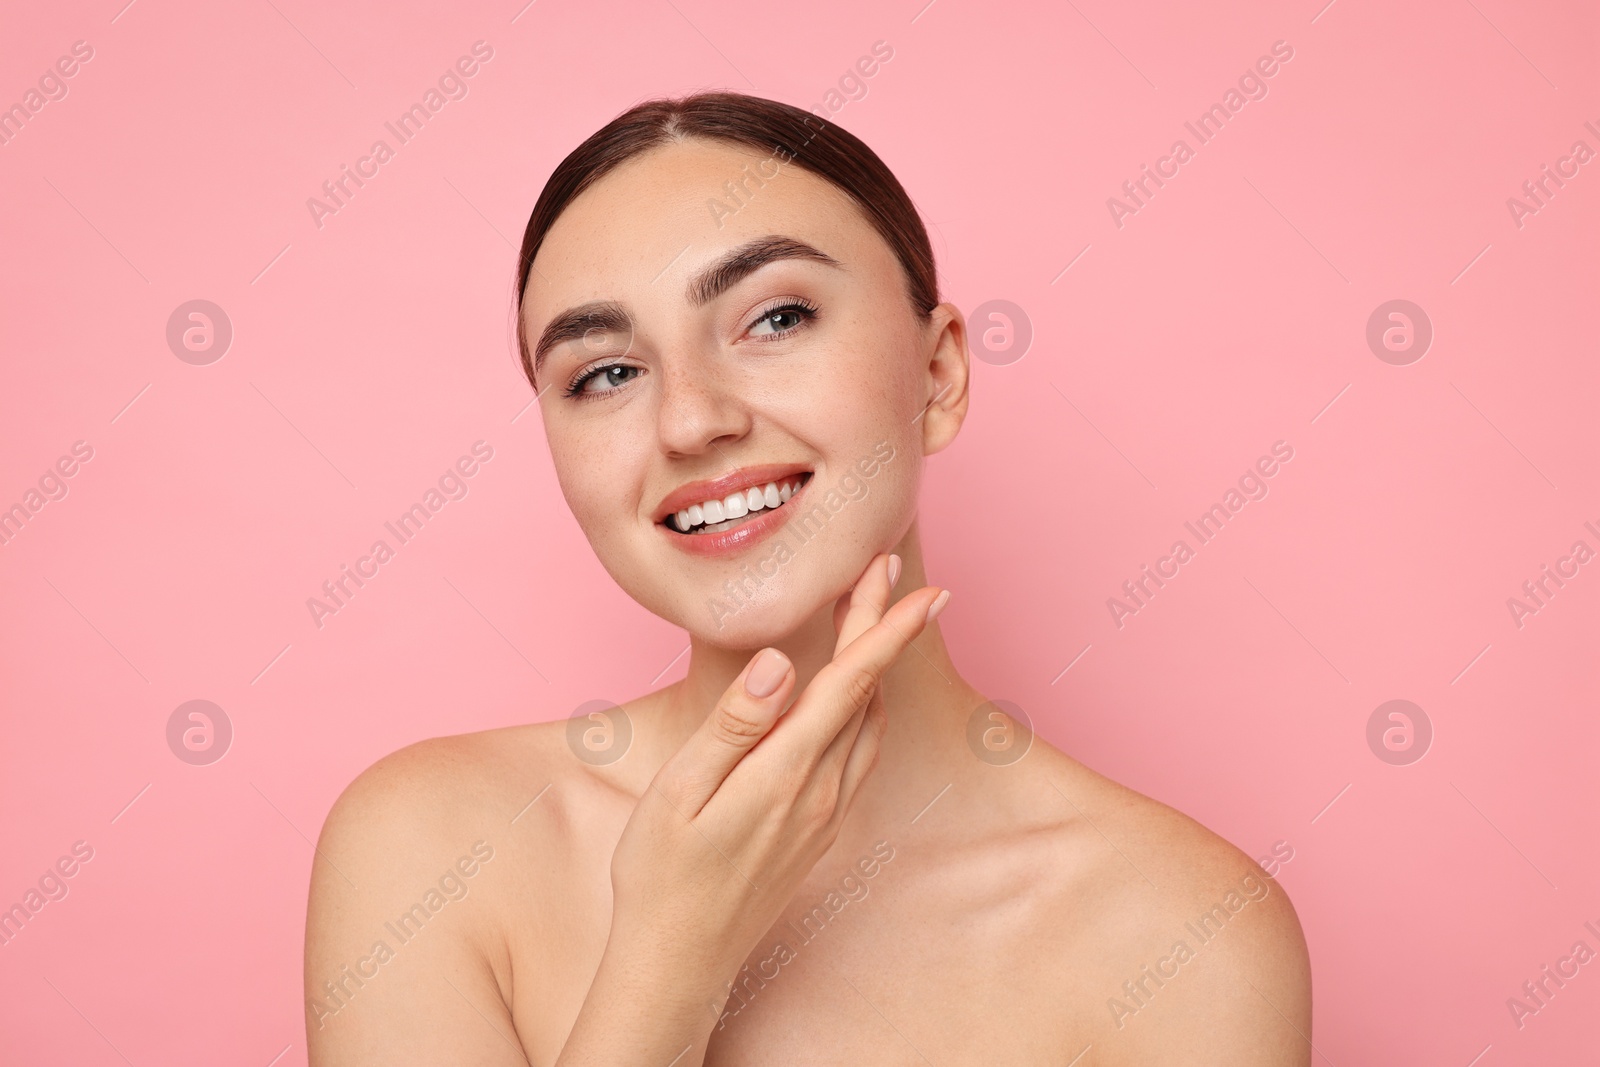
point(705, 379)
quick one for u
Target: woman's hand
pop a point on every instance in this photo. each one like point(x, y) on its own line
point(736, 819)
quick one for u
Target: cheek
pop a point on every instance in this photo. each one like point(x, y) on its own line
point(857, 402)
point(859, 391)
point(598, 479)
point(895, 488)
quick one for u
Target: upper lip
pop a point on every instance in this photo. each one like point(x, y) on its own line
point(721, 488)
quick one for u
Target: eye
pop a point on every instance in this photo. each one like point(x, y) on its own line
point(609, 376)
point(785, 319)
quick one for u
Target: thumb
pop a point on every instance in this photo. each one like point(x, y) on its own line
point(741, 718)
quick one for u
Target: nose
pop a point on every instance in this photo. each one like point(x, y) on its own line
point(699, 407)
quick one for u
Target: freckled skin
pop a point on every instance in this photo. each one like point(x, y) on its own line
point(713, 397)
point(1019, 898)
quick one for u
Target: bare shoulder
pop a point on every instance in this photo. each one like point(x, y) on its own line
point(1195, 947)
point(410, 881)
point(432, 801)
point(433, 785)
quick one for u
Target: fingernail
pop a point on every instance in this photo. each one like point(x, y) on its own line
point(894, 569)
point(938, 605)
point(766, 673)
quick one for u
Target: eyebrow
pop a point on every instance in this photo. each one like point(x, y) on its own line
point(711, 282)
point(745, 260)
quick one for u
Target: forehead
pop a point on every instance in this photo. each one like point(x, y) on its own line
point(645, 226)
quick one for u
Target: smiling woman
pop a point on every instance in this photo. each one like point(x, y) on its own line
point(712, 390)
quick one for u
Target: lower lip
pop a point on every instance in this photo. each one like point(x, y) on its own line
point(740, 537)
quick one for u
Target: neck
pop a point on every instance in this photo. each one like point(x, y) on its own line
point(927, 701)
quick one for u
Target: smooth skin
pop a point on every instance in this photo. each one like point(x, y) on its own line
point(821, 873)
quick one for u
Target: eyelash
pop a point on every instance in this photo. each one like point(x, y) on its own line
point(808, 314)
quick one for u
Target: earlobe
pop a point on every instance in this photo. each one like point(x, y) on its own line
point(948, 372)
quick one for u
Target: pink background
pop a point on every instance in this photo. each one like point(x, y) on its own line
point(1229, 313)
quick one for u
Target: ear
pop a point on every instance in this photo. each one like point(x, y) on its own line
point(946, 376)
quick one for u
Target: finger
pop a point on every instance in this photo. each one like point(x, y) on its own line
point(841, 610)
point(742, 717)
point(841, 607)
point(833, 758)
point(868, 599)
point(863, 754)
point(846, 683)
point(833, 754)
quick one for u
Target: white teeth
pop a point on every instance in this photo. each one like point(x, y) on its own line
point(705, 517)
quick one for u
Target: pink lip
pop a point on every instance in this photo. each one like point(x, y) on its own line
point(742, 536)
point(720, 488)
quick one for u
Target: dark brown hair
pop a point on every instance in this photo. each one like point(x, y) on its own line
point(794, 136)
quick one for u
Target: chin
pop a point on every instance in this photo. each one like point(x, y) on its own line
point(754, 617)
point(736, 605)
point(757, 625)
point(748, 634)
point(763, 595)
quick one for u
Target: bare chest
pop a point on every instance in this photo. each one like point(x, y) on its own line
point(873, 960)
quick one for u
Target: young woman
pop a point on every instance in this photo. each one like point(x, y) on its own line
point(822, 845)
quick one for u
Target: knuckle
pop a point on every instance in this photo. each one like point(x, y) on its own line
point(857, 686)
point(824, 804)
point(737, 726)
point(878, 721)
point(803, 804)
point(817, 818)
